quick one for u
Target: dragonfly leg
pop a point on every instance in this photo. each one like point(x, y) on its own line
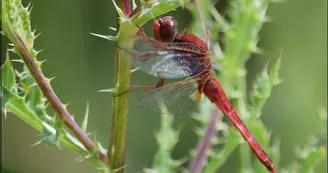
point(142, 33)
point(137, 88)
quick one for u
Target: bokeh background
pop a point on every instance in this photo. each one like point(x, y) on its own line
point(84, 64)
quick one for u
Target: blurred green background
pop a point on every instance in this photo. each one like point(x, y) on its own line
point(84, 64)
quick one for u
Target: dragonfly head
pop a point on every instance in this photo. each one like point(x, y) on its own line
point(164, 29)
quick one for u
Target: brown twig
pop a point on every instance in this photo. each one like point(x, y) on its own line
point(204, 145)
point(52, 97)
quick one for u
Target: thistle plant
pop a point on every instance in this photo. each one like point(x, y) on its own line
point(27, 93)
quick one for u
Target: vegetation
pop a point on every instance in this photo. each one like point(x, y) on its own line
point(27, 93)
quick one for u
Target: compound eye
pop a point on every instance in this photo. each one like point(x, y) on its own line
point(167, 28)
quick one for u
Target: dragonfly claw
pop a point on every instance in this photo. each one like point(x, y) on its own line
point(120, 94)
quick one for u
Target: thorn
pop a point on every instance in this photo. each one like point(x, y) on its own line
point(133, 70)
point(111, 90)
point(252, 45)
point(59, 146)
point(267, 19)
point(109, 37)
point(65, 106)
point(253, 48)
point(118, 169)
point(37, 143)
point(112, 28)
point(119, 11)
point(29, 6)
point(85, 120)
point(34, 84)
point(37, 35)
point(41, 62)
point(5, 113)
point(134, 5)
point(179, 162)
point(50, 79)
point(17, 60)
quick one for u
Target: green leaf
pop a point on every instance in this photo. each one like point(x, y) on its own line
point(220, 157)
point(8, 75)
point(262, 89)
point(7, 82)
point(17, 106)
point(311, 160)
point(274, 75)
point(314, 152)
point(166, 138)
point(49, 135)
point(16, 20)
point(34, 94)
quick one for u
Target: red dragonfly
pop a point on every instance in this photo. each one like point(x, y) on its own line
point(171, 55)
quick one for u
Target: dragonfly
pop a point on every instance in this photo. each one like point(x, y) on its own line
point(172, 55)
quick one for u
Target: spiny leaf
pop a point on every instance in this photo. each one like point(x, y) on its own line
point(166, 139)
point(35, 98)
point(49, 135)
point(314, 153)
point(219, 158)
point(7, 81)
point(93, 157)
point(262, 88)
point(16, 19)
point(17, 106)
point(8, 75)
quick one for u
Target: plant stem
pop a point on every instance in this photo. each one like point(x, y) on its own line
point(116, 149)
point(126, 8)
point(52, 97)
point(244, 151)
point(204, 145)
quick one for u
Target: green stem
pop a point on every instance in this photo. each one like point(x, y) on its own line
point(244, 151)
point(126, 29)
point(245, 155)
point(116, 150)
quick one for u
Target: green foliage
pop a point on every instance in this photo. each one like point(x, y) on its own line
point(240, 40)
point(166, 138)
point(24, 98)
point(129, 26)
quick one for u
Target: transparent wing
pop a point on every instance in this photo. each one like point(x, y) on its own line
point(167, 60)
point(172, 98)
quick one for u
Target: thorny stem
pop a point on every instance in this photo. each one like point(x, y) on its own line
point(52, 97)
point(199, 162)
point(116, 149)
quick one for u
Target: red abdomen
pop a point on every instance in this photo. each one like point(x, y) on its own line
point(213, 90)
